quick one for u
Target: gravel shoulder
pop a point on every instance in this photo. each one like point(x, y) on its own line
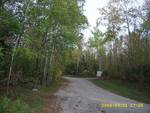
point(82, 96)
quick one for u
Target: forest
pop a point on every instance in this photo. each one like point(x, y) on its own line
point(43, 40)
point(36, 37)
point(122, 52)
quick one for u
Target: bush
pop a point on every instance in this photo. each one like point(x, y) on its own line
point(17, 106)
point(24, 60)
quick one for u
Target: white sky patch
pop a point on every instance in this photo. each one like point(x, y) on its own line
point(92, 13)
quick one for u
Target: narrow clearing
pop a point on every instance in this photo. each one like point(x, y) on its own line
point(82, 96)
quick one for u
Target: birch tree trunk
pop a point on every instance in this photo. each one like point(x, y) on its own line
point(99, 59)
point(16, 45)
point(45, 68)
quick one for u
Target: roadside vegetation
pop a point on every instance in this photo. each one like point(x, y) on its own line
point(129, 90)
point(36, 37)
point(27, 101)
point(42, 40)
point(121, 52)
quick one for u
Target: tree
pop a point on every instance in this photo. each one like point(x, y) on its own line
point(41, 32)
point(146, 24)
point(127, 56)
point(8, 29)
point(97, 42)
point(120, 15)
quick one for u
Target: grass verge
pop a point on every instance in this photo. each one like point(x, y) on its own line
point(42, 100)
point(128, 90)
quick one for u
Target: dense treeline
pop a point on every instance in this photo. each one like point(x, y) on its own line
point(128, 57)
point(122, 52)
point(41, 40)
point(130, 63)
point(35, 36)
point(83, 64)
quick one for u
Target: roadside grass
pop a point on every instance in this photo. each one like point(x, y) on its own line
point(55, 85)
point(128, 90)
point(32, 99)
point(38, 100)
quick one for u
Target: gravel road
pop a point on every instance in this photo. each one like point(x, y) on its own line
point(82, 96)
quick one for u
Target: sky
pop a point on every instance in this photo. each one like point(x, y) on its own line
point(91, 12)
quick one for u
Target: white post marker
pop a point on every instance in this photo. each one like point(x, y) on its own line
point(99, 74)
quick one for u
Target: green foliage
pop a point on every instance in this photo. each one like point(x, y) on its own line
point(9, 24)
point(45, 31)
point(9, 27)
point(57, 71)
point(146, 24)
point(1, 53)
point(18, 106)
point(126, 57)
point(24, 60)
point(1, 57)
point(131, 63)
point(88, 65)
point(129, 90)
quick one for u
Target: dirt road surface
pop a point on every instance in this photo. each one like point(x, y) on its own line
point(82, 96)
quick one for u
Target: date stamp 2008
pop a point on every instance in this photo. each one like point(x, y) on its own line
point(132, 105)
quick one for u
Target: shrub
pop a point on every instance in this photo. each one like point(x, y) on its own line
point(17, 106)
point(25, 60)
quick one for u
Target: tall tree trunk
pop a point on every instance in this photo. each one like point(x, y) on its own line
point(11, 65)
point(99, 60)
point(16, 45)
point(128, 26)
point(77, 70)
point(45, 68)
